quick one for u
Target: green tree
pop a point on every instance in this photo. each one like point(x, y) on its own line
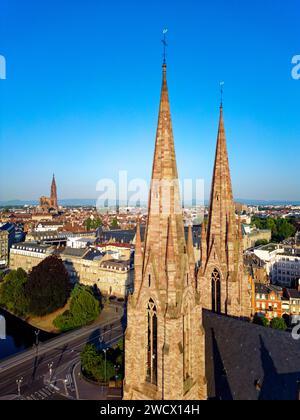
point(278, 324)
point(93, 362)
point(281, 228)
point(93, 224)
point(12, 292)
point(114, 224)
point(84, 309)
point(48, 287)
point(261, 242)
point(284, 230)
point(261, 320)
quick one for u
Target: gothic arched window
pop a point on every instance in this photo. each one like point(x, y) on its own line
point(152, 343)
point(216, 291)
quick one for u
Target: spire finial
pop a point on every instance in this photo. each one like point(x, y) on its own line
point(222, 92)
point(164, 41)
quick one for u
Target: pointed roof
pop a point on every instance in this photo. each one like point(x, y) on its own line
point(164, 164)
point(164, 198)
point(190, 246)
point(138, 241)
point(203, 245)
point(222, 210)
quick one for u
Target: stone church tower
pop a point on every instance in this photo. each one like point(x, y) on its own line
point(53, 195)
point(50, 204)
point(164, 346)
point(222, 281)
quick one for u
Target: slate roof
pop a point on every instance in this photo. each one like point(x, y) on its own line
point(116, 265)
point(127, 236)
point(266, 289)
point(74, 252)
point(293, 293)
point(240, 355)
point(31, 246)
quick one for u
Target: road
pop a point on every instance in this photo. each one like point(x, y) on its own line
point(33, 366)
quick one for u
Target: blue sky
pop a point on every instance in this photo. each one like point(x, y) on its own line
point(83, 84)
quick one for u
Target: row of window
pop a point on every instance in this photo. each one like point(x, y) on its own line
point(289, 273)
point(264, 306)
point(265, 297)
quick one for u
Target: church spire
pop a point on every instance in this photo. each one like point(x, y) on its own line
point(164, 342)
point(223, 285)
point(53, 194)
point(221, 202)
point(164, 201)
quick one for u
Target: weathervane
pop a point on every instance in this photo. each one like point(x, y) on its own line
point(164, 41)
point(222, 92)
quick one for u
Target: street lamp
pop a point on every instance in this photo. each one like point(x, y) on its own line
point(50, 367)
point(117, 367)
point(19, 383)
point(101, 341)
point(105, 351)
point(37, 333)
point(66, 390)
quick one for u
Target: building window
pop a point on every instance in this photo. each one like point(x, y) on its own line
point(152, 343)
point(216, 291)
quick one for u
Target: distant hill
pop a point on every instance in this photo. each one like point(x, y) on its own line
point(93, 201)
point(268, 202)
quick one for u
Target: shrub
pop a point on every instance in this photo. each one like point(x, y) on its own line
point(278, 324)
point(261, 320)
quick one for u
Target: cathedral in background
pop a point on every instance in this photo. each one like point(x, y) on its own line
point(50, 204)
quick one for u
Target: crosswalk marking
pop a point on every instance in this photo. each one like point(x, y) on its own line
point(41, 394)
point(47, 392)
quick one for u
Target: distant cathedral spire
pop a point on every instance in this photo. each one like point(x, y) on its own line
point(53, 194)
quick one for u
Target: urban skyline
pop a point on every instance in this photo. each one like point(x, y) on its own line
point(260, 99)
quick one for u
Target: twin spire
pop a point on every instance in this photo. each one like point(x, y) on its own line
point(222, 221)
point(165, 242)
